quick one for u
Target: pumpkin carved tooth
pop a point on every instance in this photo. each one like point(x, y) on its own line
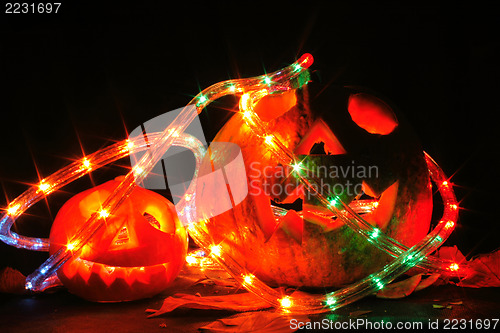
point(293, 225)
point(382, 215)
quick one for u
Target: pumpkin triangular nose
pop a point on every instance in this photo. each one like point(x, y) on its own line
point(320, 132)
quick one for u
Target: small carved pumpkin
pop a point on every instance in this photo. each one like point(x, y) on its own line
point(340, 128)
point(137, 255)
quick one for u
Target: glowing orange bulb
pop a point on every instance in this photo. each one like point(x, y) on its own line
point(445, 183)
point(248, 279)
point(454, 267)
point(103, 213)
point(375, 204)
point(130, 144)
point(454, 206)
point(247, 114)
point(86, 164)
point(44, 187)
point(138, 170)
point(174, 133)
point(215, 250)
point(13, 209)
point(286, 302)
point(70, 246)
point(269, 139)
point(449, 224)
point(191, 260)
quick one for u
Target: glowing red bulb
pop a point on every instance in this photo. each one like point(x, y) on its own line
point(305, 60)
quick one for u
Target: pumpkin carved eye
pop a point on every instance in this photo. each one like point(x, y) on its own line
point(371, 114)
point(152, 220)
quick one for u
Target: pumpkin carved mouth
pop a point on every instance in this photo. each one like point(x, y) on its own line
point(377, 210)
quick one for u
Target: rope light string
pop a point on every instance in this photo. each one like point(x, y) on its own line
point(285, 79)
point(251, 91)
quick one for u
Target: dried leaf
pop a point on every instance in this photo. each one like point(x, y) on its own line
point(400, 289)
point(236, 302)
point(359, 313)
point(450, 253)
point(485, 271)
point(438, 306)
point(12, 281)
point(260, 321)
point(428, 281)
point(231, 283)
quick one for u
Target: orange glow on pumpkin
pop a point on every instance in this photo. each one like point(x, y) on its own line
point(137, 255)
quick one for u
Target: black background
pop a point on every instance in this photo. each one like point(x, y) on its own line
point(90, 73)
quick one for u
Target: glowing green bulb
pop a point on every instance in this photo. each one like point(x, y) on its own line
point(202, 99)
point(375, 233)
point(330, 300)
point(267, 80)
point(379, 283)
point(334, 202)
point(296, 167)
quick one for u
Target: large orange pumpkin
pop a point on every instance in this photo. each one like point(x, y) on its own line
point(137, 255)
point(307, 246)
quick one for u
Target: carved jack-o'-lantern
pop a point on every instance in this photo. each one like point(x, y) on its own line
point(356, 147)
point(137, 255)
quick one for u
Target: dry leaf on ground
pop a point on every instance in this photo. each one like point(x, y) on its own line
point(450, 253)
point(430, 280)
point(485, 271)
point(236, 302)
point(259, 321)
point(12, 281)
point(400, 289)
point(359, 313)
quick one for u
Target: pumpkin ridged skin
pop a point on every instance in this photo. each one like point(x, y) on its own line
point(105, 272)
point(324, 259)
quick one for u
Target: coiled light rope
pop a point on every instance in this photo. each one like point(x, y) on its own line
point(251, 90)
